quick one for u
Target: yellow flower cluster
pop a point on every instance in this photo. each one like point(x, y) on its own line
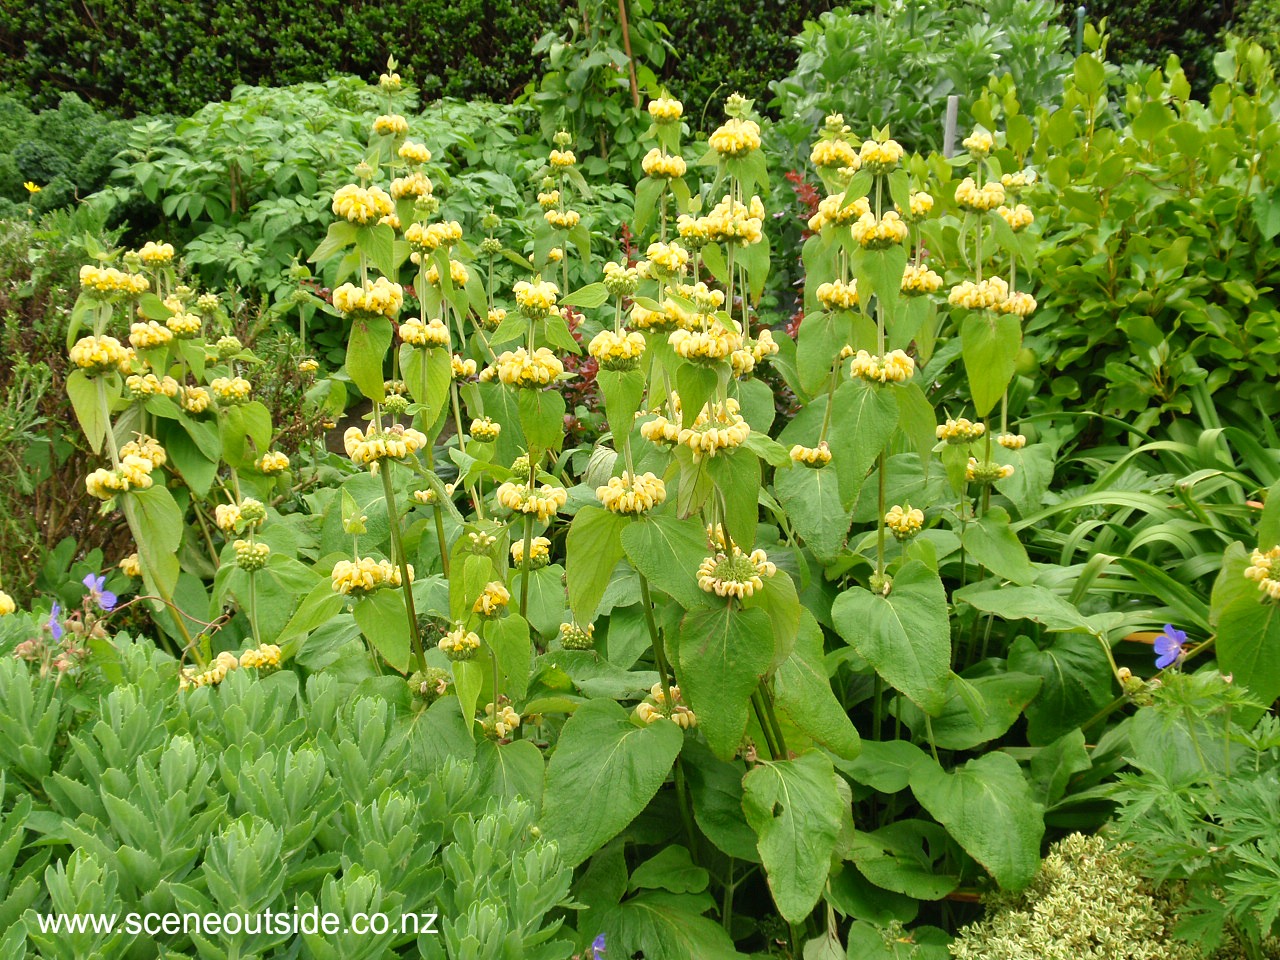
point(357, 204)
point(895, 366)
point(1018, 304)
point(665, 110)
point(228, 347)
point(458, 274)
point(1262, 572)
point(459, 644)
point(146, 447)
point(414, 185)
point(272, 463)
point(815, 457)
point(110, 283)
point(264, 658)
point(184, 325)
point(426, 238)
point(131, 566)
point(492, 600)
point(412, 152)
point(223, 664)
point(881, 157)
point(921, 205)
point(620, 280)
point(575, 637)
point(562, 219)
point(548, 200)
point(735, 574)
point(986, 471)
point(562, 159)
point(493, 319)
point(503, 722)
point(544, 502)
point(391, 125)
point(710, 345)
point(100, 354)
point(904, 522)
point(632, 495)
point(873, 234)
point(365, 575)
point(539, 552)
point(732, 221)
point(230, 391)
point(617, 351)
point(143, 336)
point(462, 369)
point(7, 606)
point(207, 302)
point(249, 514)
point(1015, 183)
point(1012, 441)
point(979, 200)
point(962, 430)
point(677, 713)
point(670, 258)
point(918, 280)
point(661, 165)
point(519, 368)
point(736, 137)
point(148, 385)
point(979, 143)
point(251, 556)
point(763, 347)
point(536, 299)
point(381, 298)
point(555, 254)
point(485, 430)
point(838, 295)
point(833, 210)
point(1018, 218)
point(718, 427)
point(981, 295)
point(133, 473)
point(431, 334)
point(705, 300)
point(156, 254)
point(194, 399)
point(834, 153)
point(373, 444)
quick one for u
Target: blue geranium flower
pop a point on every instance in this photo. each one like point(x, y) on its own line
point(55, 621)
point(1170, 646)
point(105, 599)
point(597, 949)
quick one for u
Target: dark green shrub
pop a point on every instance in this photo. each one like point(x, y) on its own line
point(157, 57)
point(1259, 21)
point(1151, 30)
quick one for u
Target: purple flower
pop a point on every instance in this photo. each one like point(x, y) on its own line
point(55, 621)
point(597, 949)
point(1170, 646)
point(105, 599)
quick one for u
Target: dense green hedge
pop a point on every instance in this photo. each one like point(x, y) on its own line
point(733, 45)
point(172, 55)
point(1150, 30)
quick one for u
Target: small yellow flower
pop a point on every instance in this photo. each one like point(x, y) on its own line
point(194, 399)
point(1262, 570)
point(519, 368)
point(230, 391)
point(562, 159)
point(986, 472)
point(1012, 441)
point(143, 336)
point(7, 606)
point(881, 157)
point(539, 552)
point(265, 658)
point(834, 153)
point(983, 294)
point(1018, 218)
point(895, 367)
point(838, 295)
point(458, 274)
point(816, 457)
point(536, 299)
point(131, 566)
point(97, 355)
point(632, 495)
point(492, 600)
point(272, 463)
point(904, 522)
point(502, 721)
point(459, 644)
point(381, 298)
point(32, 188)
point(575, 637)
point(665, 110)
point(365, 575)
point(363, 205)
point(485, 430)
point(736, 137)
point(366, 447)
point(415, 185)
point(562, 219)
point(391, 125)
point(962, 430)
point(414, 152)
point(979, 200)
point(918, 280)
point(1018, 304)
point(873, 234)
point(670, 258)
point(659, 165)
point(542, 502)
point(979, 143)
point(735, 574)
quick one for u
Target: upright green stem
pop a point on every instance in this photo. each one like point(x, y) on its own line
point(767, 696)
point(406, 584)
point(253, 608)
point(524, 562)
